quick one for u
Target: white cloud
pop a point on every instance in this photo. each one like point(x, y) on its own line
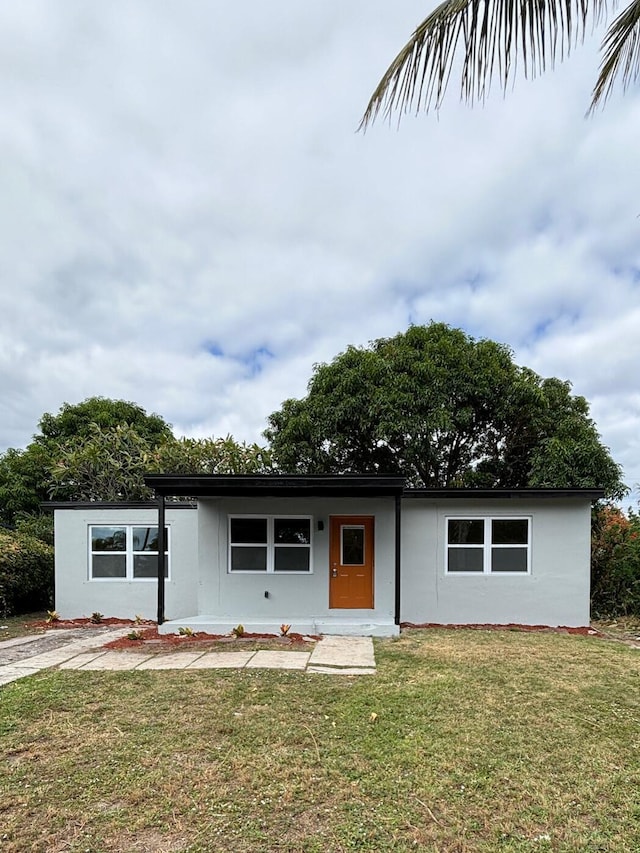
point(191, 221)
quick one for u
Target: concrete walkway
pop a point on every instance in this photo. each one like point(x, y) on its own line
point(73, 649)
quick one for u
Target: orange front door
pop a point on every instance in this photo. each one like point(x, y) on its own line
point(351, 561)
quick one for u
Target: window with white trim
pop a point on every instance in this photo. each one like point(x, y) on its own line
point(271, 543)
point(125, 552)
point(489, 546)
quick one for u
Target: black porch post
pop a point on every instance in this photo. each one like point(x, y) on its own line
point(398, 553)
point(162, 547)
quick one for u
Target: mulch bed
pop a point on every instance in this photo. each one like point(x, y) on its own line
point(149, 638)
point(586, 631)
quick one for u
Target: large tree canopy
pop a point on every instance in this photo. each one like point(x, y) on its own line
point(76, 421)
point(110, 464)
point(26, 476)
point(494, 38)
point(100, 450)
point(443, 409)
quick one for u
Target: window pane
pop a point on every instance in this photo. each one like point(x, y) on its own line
point(109, 566)
point(249, 530)
point(292, 531)
point(291, 559)
point(108, 539)
point(146, 539)
point(465, 560)
point(510, 532)
point(466, 531)
point(146, 566)
point(353, 546)
point(508, 559)
point(252, 559)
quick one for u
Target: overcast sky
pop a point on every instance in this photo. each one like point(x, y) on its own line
point(190, 220)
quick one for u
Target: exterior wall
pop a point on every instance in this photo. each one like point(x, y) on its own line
point(291, 597)
point(556, 592)
point(77, 596)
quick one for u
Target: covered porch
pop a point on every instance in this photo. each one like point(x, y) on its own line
point(326, 515)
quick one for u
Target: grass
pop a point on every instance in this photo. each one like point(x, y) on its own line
point(464, 742)
point(20, 626)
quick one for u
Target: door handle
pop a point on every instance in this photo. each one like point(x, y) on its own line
point(334, 571)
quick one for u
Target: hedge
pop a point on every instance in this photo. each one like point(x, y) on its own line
point(26, 574)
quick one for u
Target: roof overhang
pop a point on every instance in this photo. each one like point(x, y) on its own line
point(274, 485)
point(496, 494)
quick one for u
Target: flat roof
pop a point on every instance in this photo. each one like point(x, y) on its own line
point(449, 494)
point(344, 485)
point(317, 485)
point(275, 485)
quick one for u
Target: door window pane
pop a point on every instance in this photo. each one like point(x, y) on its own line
point(352, 546)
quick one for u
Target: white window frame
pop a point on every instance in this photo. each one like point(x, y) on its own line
point(128, 552)
point(488, 546)
point(270, 544)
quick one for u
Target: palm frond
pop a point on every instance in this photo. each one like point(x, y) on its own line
point(621, 47)
point(487, 37)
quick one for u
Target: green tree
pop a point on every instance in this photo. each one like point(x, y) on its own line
point(615, 562)
point(109, 464)
point(442, 409)
point(26, 475)
point(211, 456)
point(105, 464)
point(491, 38)
point(77, 420)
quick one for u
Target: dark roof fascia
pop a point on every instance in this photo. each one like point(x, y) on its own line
point(51, 505)
point(247, 485)
point(496, 494)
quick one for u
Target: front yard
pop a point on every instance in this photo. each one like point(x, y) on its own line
point(464, 742)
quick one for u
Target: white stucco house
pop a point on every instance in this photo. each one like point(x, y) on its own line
point(326, 554)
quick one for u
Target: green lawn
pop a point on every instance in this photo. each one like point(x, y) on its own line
point(464, 741)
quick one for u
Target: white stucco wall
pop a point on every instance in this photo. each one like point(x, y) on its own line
point(76, 595)
point(556, 592)
point(242, 595)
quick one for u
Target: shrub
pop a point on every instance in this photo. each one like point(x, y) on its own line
point(38, 525)
point(26, 574)
point(615, 563)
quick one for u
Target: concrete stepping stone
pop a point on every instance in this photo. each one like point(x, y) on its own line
point(116, 661)
point(11, 673)
point(344, 652)
point(341, 670)
point(222, 660)
point(278, 660)
point(80, 660)
point(177, 660)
